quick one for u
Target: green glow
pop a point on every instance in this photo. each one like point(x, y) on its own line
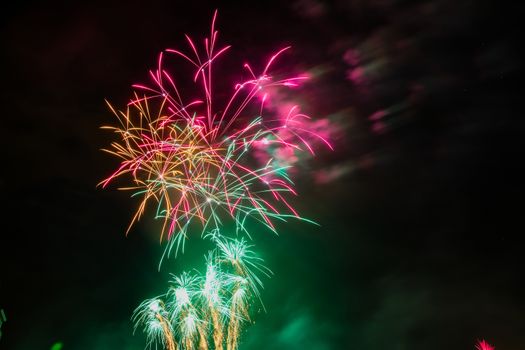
point(57, 346)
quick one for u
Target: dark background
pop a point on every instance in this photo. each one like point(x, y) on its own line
point(420, 244)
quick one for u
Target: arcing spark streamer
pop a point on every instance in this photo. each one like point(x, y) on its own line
point(192, 158)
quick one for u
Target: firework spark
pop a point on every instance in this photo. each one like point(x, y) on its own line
point(483, 345)
point(192, 158)
point(3, 319)
point(208, 308)
point(153, 316)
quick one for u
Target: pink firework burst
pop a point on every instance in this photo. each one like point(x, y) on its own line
point(483, 345)
point(190, 150)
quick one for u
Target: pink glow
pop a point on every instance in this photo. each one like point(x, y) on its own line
point(483, 345)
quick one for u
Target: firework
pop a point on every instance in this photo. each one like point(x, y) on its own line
point(154, 318)
point(185, 314)
point(2, 320)
point(242, 260)
point(483, 345)
point(192, 158)
point(242, 281)
point(213, 300)
point(199, 310)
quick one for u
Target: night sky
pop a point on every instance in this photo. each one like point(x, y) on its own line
point(420, 205)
